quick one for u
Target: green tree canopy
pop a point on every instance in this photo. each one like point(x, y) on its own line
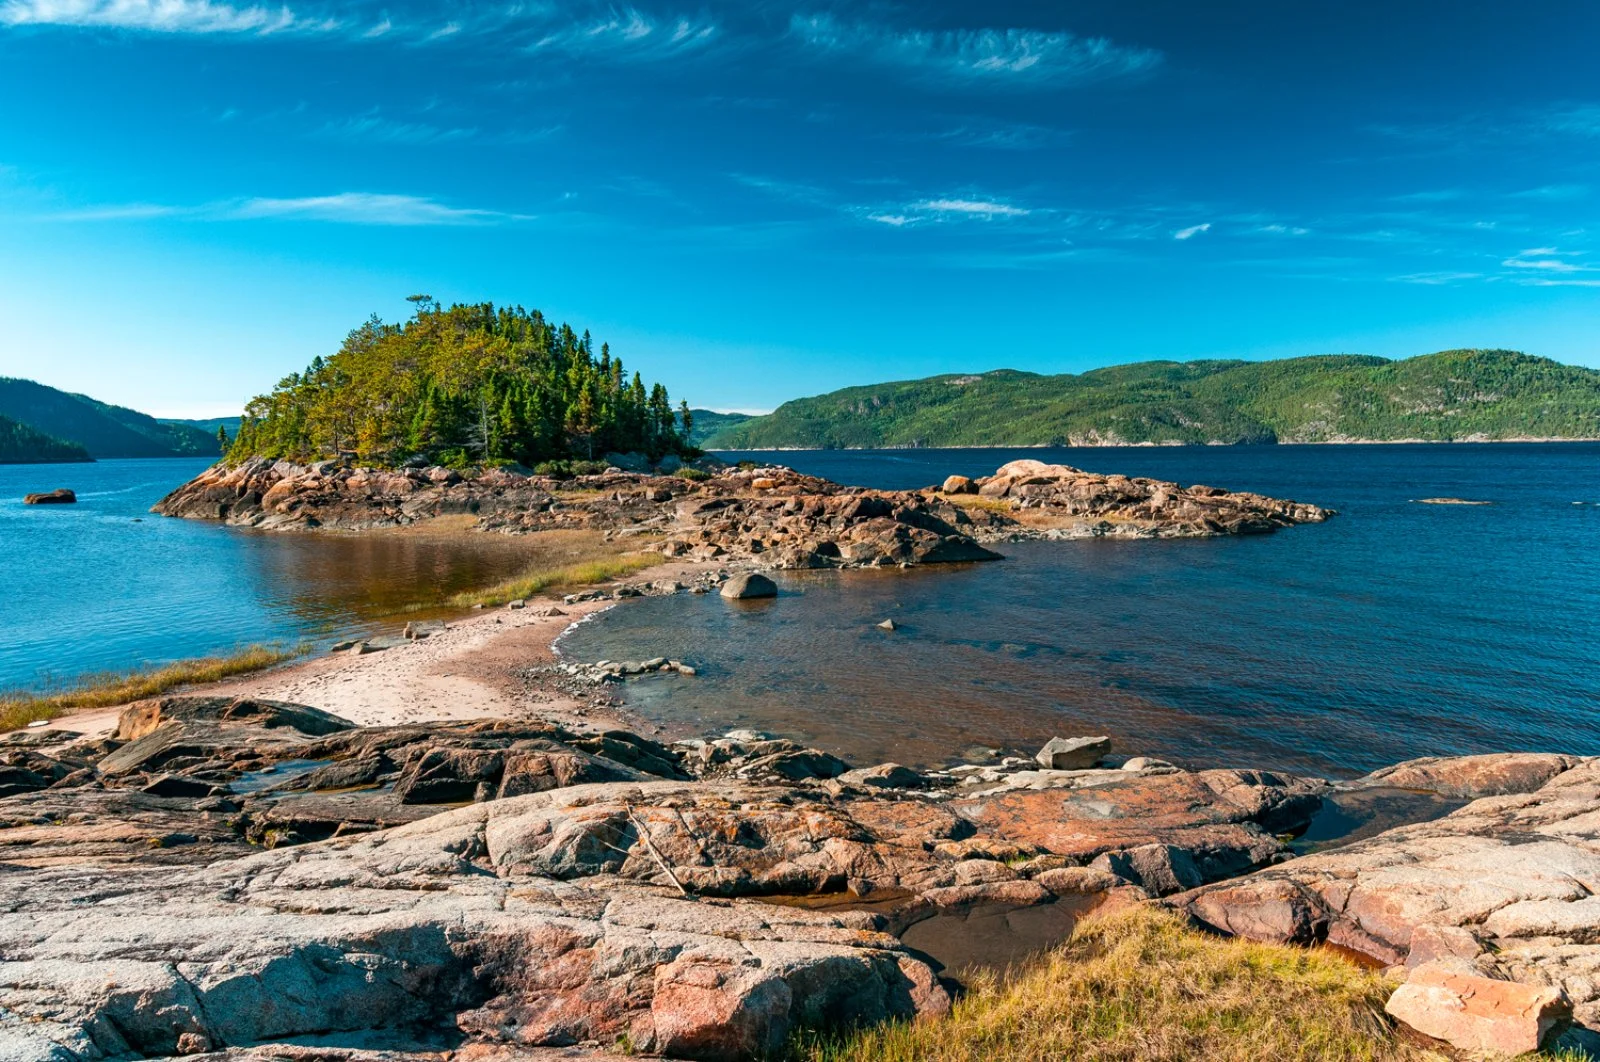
point(471, 384)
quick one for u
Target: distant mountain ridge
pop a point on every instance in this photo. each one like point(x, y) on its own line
point(22, 445)
point(708, 422)
point(1457, 395)
point(105, 431)
point(209, 425)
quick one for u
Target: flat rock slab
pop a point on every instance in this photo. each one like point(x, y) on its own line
point(1478, 1014)
point(1506, 885)
point(421, 925)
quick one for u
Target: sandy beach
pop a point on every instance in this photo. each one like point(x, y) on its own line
point(472, 669)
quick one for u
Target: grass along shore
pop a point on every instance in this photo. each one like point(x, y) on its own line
point(1142, 986)
point(575, 560)
point(104, 690)
point(540, 578)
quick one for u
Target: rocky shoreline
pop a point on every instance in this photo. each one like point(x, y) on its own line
point(264, 872)
point(242, 876)
point(771, 516)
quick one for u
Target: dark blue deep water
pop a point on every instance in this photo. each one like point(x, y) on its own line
point(105, 586)
point(1394, 630)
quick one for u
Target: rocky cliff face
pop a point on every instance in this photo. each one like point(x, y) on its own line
point(774, 516)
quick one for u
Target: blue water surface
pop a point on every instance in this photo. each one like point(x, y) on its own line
point(104, 585)
point(1396, 629)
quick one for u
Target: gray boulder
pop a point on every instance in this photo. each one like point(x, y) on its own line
point(1073, 754)
point(747, 586)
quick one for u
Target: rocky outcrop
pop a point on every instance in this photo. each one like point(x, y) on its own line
point(1087, 503)
point(1503, 888)
point(54, 497)
point(300, 877)
point(774, 516)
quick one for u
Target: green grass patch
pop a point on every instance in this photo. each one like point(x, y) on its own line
point(558, 577)
point(101, 691)
point(1142, 986)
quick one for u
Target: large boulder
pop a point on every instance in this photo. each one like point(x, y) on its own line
point(1480, 1015)
point(1073, 754)
point(748, 585)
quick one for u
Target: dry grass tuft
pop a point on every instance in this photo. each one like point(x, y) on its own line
point(973, 501)
point(1141, 986)
point(561, 576)
point(101, 691)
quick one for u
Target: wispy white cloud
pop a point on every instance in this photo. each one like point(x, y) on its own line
point(1004, 136)
point(972, 208)
point(1554, 192)
point(349, 208)
point(365, 208)
point(373, 128)
point(1436, 279)
point(115, 212)
point(1547, 260)
point(898, 221)
point(631, 33)
point(1582, 119)
point(1192, 231)
point(1282, 230)
point(997, 56)
point(158, 16)
point(625, 33)
point(1432, 195)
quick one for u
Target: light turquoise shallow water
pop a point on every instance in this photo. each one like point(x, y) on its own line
point(104, 585)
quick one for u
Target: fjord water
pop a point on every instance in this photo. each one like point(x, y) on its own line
point(1394, 630)
point(103, 585)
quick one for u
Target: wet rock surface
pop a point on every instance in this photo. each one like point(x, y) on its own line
point(254, 872)
point(774, 517)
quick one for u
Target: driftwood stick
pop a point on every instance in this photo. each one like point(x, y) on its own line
point(644, 835)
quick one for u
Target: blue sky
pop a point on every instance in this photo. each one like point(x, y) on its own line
point(754, 201)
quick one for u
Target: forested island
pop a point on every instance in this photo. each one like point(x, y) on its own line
point(471, 385)
point(1458, 395)
point(20, 444)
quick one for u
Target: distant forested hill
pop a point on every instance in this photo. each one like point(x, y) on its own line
point(1454, 395)
point(21, 445)
point(708, 422)
point(471, 384)
point(209, 425)
point(104, 430)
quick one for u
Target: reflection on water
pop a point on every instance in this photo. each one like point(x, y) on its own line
point(1395, 630)
point(104, 585)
